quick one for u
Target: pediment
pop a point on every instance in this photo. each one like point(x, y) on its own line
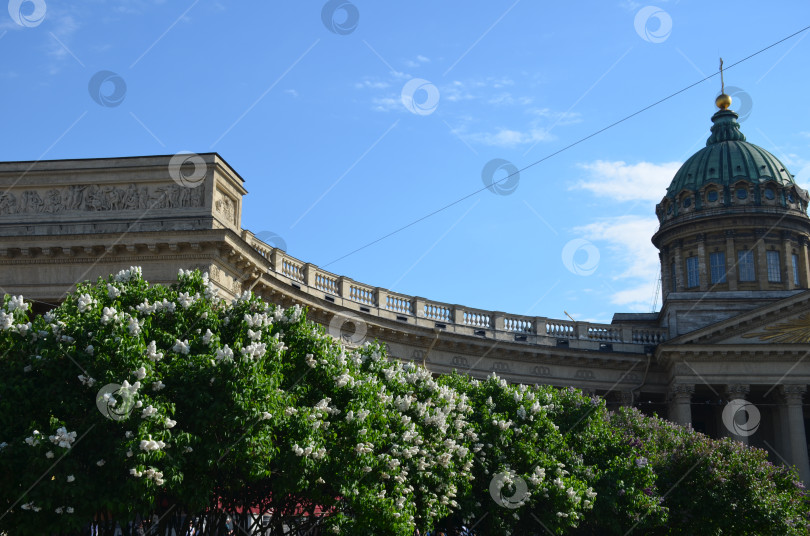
point(786, 321)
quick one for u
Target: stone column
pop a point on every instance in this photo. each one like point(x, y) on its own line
point(620, 398)
point(737, 418)
point(798, 443)
point(787, 261)
point(731, 261)
point(703, 272)
point(680, 407)
point(804, 261)
point(761, 263)
point(680, 283)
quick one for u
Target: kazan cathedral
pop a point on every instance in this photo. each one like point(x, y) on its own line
point(728, 353)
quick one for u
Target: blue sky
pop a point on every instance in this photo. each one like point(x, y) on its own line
point(349, 120)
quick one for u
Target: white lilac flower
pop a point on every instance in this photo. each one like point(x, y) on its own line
point(63, 438)
point(148, 411)
point(134, 326)
point(100, 463)
point(112, 291)
point(207, 337)
point(186, 300)
point(140, 373)
point(254, 351)
point(224, 353)
point(87, 380)
point(60, 510)
point(152, 353)
point(108, 314)
point(6, 320)
point(188, 449)
point(90, 349)
point(124, 276)
point(150, 445)
point(86, 302)
point(71, 478)
point(266, 415)
point(158, 385)
point(69, 509)
point(127, 390)
point(17, 302)
point(170, 423)
point(181, 347)
point(49, 454)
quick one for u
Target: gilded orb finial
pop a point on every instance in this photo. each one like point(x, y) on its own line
point(722, 101)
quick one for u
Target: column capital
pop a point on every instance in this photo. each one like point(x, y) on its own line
point(730, 233)
point(681, 391)
point(701, 237)
point(735, 391)
point(792, 393)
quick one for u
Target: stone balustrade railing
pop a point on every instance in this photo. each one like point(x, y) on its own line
point(418, 311)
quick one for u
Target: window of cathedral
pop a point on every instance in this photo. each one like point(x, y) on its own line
point(745, 265)
point(692, 272)
point(774, 271)
point(717, 262)
point(712, 196)
point(687, 202)
point(769, 194)
point(741, 193)
point(795, 259)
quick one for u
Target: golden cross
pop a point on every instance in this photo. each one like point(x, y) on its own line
point(722, 85)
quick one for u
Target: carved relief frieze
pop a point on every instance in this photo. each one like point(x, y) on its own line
point(95, 197)
point(225, 206)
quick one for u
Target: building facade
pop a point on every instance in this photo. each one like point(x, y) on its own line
point(727, 353)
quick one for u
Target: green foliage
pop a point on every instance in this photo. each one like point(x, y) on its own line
point(215, 406)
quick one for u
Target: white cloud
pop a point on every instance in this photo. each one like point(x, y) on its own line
point(627, 239)
point(372, 84)
point(417, 62)
point(293, 93)
point(621, 181)
point(504, 137)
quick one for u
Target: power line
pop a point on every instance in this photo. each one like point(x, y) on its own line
point(555, 153)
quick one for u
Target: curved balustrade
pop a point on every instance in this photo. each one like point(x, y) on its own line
point(398, 304)
point(361, 294)
point(293, 270)
point(524, 328)
point(326, 283)
point(438, 312)
point(560, 328)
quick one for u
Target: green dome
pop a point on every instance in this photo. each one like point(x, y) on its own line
point(727, 159)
